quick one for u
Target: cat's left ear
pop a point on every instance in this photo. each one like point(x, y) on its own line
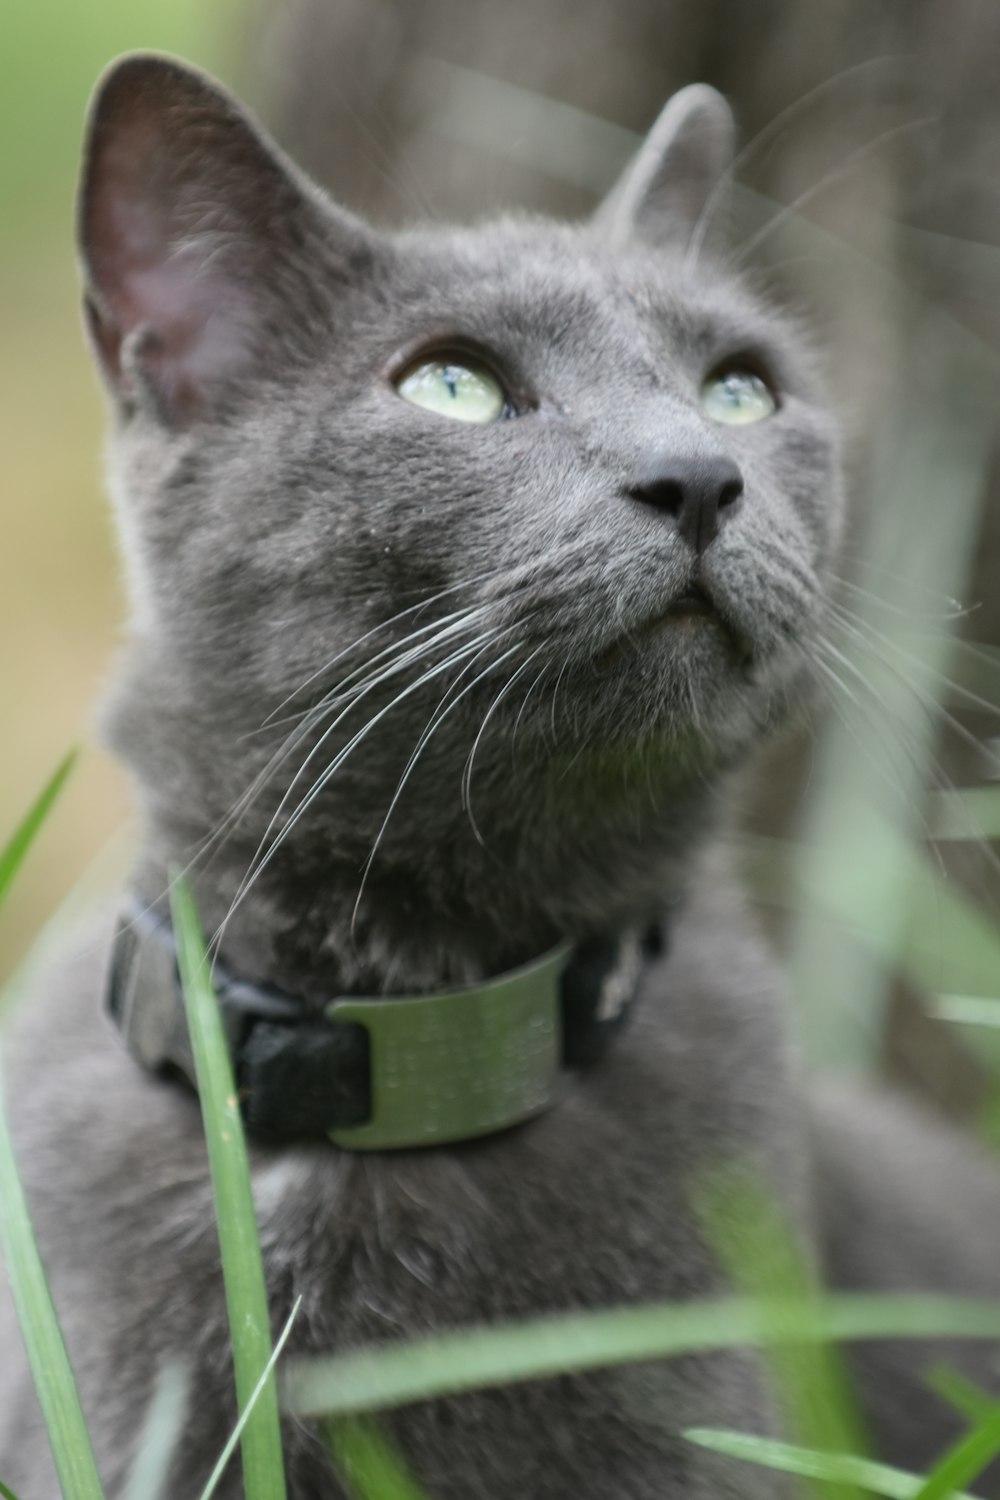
point(673, 185)
point(205, 252)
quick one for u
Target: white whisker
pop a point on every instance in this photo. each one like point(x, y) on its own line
point(470, 762)
point(437, 718)
point(260, 864)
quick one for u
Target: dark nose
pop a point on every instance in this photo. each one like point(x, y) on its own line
point(699, 492)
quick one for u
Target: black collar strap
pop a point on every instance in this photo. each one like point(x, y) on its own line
point(381, 1073)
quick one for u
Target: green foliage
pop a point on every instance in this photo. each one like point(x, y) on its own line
point(368, 1465)
point(830, 1468)
point(161, 1432)
point(763, 1259)
point(380, 1377)
point(967, 1458)
point(265, 1381)
point(17, 847)
point(43, 1341)
point(246, 1294)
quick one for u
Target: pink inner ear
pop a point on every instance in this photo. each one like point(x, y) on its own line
point(160, 276)
point(194, 317)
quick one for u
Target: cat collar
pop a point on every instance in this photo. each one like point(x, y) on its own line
point(386, 1072)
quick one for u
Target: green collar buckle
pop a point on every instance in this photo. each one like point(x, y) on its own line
point(459, 1064)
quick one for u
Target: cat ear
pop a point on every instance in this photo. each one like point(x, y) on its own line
point(201, 244)
point(677, 175)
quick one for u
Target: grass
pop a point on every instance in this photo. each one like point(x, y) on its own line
point(398, 1374)
point(841, 1469)
point(243, 1272)
point(40, 1330)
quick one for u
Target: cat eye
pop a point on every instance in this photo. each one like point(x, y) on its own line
point(737, 395)
point(460, 388)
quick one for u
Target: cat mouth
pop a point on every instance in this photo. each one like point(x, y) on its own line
point(697, 608)
point(693, 602)
point(694, 609)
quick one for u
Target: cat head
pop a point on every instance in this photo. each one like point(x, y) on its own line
point(548, 507)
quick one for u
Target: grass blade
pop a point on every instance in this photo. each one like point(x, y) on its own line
point(968, 1399)
point(160, 1433)
point(368, 1465)
point(376, 1378)
point(14, 852)
point(234, 1436)
point(967, 1458)
point(763, 1258)
point(246, 1296)
point(5, 1493)
point(807, 1463)
point(966, 1010)
point(43, 1341)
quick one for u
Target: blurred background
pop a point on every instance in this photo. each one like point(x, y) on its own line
point(868, 198)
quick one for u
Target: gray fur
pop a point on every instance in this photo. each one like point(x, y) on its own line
point(280, 505)
point(672, 190)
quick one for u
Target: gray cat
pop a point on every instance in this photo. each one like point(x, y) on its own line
point(469, 566)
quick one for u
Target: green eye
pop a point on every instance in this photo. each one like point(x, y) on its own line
point(463, 390)
point(737, 396)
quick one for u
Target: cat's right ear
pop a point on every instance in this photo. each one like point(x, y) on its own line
point(202, 245)
point(671, 191)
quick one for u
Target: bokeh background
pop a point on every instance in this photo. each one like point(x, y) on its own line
point(61, 604)
point(868, 197)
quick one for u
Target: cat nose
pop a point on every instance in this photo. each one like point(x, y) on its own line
point(699, 492)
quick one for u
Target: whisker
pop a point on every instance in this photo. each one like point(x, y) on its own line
point(852, 160)
point(934, 711)
point(260, 861)
point(470, 762)
point(873, 731)
point(520, 712)
point(450, 624)
point(260, 864)
point(763, 138)
point(376, 629)
point(856, 625)
point(434, 723)
point(908, 582)
point(309, 722)
point(956, 611)
point(555, 695)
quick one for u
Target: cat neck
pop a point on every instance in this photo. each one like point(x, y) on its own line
point(456, 915)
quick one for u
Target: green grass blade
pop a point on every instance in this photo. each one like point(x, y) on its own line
point(807, 1463)
point(377, 1378)
point(160, 1433)
point(967, 1458)
point(5, 1493)
point(14, 852)
point(968, 1399)
point(369, 1466)
point(966, 1010)
point(763, 1258)
point(246, 1296)
point(234, 1436)
point(43, 1341)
